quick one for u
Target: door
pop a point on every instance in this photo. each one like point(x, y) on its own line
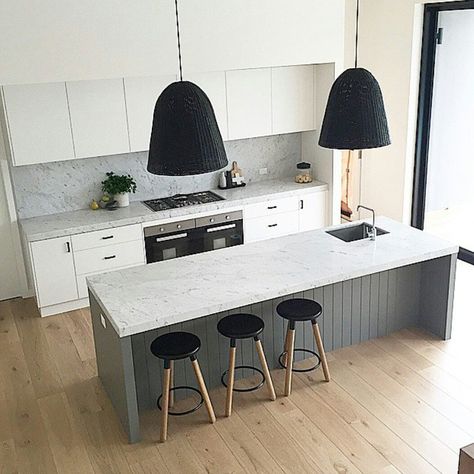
point(10, 285)
point(312, 213)
point(445, 168)
point(53, 267)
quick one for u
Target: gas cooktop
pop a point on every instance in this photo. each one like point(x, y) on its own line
point(182, 200)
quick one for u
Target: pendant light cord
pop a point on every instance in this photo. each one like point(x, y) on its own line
point(357, 35)
point(179, 40)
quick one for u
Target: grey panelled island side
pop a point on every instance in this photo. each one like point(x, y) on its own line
point(367, 289)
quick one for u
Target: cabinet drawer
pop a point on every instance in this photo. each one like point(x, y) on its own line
point(108, 258)
point(269, 208)
point(267, 227)
point(103, 238)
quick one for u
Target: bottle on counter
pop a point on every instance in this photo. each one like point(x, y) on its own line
point(304, 173)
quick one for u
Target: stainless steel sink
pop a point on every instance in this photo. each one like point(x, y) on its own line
point(355, 232)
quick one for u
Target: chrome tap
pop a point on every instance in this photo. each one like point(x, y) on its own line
point(370, 233)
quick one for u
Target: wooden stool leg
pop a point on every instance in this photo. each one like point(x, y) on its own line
point(171, 399)
point(322, 353)
point(263, 362)
point(202, 387)
point(165, 403)
point(230, 379)
point(287, 342)
point(289, 364)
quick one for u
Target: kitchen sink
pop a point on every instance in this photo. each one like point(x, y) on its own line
point(355, 232)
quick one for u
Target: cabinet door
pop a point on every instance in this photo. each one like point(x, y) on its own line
point(249, 103)
point(63, 40)
point(54, 273)
point(292, 99)
point(312, 213)
point(98, 116)
point(213, 84)
point(242, 34)
point(38, 123)
point(141, 94)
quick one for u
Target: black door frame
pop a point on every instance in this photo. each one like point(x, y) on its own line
point(428, 58)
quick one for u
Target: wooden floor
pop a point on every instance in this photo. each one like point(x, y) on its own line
point(404, 403)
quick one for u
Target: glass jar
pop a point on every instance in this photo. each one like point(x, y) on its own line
point(304, 173)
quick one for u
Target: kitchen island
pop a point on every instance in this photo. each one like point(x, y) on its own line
point(367, 290)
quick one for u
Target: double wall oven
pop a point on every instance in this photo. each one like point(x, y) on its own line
point(191, 236)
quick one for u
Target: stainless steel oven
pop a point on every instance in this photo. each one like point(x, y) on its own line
point(177, 239)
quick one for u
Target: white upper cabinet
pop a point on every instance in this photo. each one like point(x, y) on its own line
point(249, 103)
point(292, 99)
point(213, 84)
point(98, 116)
point(38, 123)
point(239, 34)
point(64, 40)
point(141, 94)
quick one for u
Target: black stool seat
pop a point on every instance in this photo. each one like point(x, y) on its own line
point(240, 326)
point(175, 345)
point(299, 309)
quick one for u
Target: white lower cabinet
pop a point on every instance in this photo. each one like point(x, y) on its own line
point(268, 227)
point(313, 211)
point(54, 273)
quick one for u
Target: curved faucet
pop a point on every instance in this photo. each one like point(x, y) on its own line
point(373, 233)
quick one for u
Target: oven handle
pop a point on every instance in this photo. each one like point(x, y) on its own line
point(222, 227)
point(171, 237)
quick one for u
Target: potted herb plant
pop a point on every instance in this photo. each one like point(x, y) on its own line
point(119, 187)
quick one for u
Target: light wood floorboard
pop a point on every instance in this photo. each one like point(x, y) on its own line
point(399, 404)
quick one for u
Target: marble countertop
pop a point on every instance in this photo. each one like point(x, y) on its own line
point(160, 294)
point(86, 220)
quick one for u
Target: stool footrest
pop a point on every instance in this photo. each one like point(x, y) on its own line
point(251, 389)
point(308, 351)
point(187, 412)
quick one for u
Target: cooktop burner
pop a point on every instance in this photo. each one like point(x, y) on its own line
point(182, 200)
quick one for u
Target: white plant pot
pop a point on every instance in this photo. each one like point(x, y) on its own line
point(123, 199)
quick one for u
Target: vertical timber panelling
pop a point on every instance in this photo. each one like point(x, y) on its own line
point(353, 311)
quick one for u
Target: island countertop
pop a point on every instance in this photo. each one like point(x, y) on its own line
point(148, 297)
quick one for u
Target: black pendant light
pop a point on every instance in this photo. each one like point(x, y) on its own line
point(185, 138)
point(355, 117)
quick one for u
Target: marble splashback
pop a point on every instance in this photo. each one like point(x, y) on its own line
point(63, 186)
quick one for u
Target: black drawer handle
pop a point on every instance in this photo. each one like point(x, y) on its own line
point(108, 237)
point(110, 258)
point(272, 207)
point(273, 225)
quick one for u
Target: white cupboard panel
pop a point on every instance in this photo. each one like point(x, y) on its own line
point(38, 123)
point(249, 103)
point(213, 84)
point(292, 99)
point(241, 34)
point(141, 94)
point(268, 227)
point(98, 115)
point(64, 40)
point(313, 211)
point(54, 273)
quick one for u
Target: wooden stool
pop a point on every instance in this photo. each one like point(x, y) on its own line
point(243, 326)
point(300, 310)
point(176, 346)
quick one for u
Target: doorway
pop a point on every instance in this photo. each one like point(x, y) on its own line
point(443, 201)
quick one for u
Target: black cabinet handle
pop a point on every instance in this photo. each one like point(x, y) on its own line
point(107, 237)
point(301, 204)
point(110, 258)
point(68, 247)
point(272, 225)
point(272, 207)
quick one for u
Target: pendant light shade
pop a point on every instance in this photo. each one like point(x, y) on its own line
point(185, 137)
point(355, 117)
